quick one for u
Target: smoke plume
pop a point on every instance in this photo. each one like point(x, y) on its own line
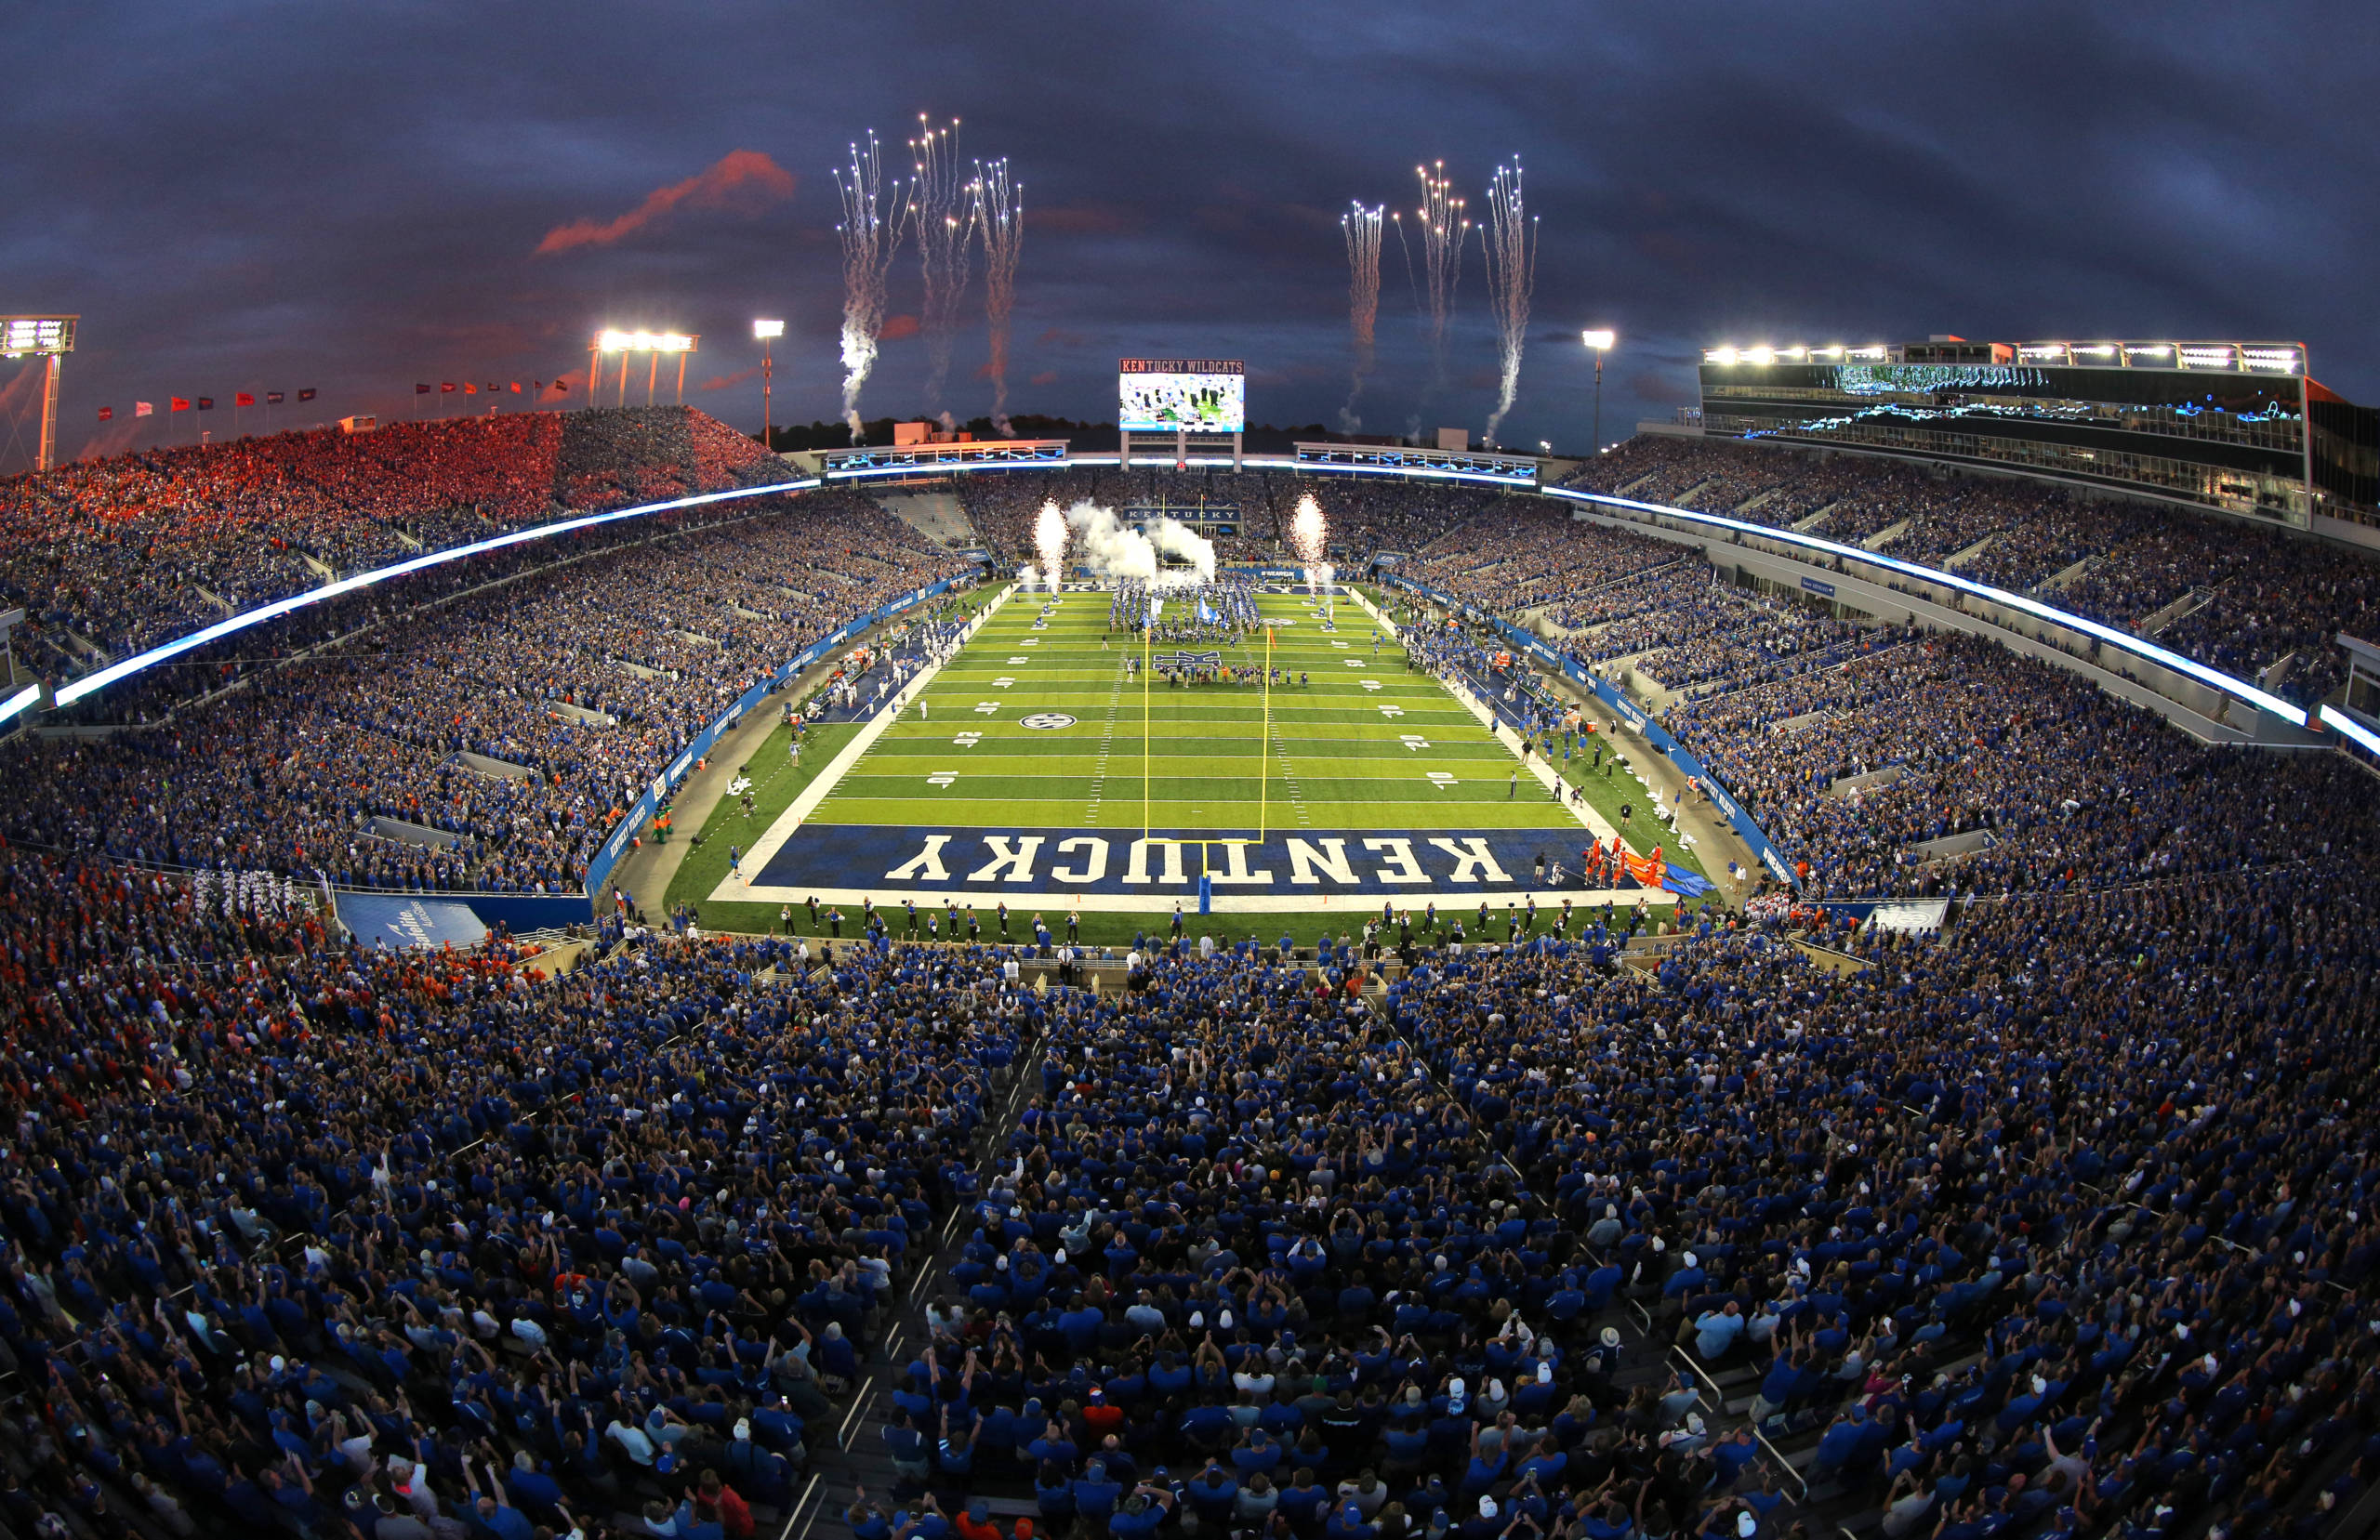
point(1112, 549)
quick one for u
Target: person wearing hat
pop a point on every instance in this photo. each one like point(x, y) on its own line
point(1347, 1522)
point(1487, 1520)
point(1148, 1506)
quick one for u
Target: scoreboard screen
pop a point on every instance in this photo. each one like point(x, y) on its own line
point(1166, 395)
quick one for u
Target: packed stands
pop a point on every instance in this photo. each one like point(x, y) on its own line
point(2236, 596)
point(585, 678)
point(2052, 1224)
point(111, 556)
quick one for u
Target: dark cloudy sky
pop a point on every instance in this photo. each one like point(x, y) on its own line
point(261, 196)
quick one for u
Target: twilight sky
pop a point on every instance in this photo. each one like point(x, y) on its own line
point(270, 196)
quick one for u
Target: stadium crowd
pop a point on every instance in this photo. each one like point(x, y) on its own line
point(499, 736)
point(110, 555)
point(2240, 597)
point(2051, 1223)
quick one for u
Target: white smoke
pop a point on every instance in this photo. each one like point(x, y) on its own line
point(1049, 540)
point(1112, 549)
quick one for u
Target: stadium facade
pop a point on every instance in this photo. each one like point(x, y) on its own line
point(2232, 428)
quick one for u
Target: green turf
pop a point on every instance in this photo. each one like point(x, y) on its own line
point(1332, 758)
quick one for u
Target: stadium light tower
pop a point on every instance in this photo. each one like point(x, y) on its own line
point(652, 344)
point(50, 338)
point(766, 332)
point(1600, 340)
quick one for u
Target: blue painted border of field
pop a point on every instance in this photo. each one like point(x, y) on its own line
point(1762, 847)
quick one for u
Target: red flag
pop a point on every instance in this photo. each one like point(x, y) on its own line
point(182, 404)
point(516, 388)
point(106, 414)
point(470, 390)
point(445, 388)
point(243, 399)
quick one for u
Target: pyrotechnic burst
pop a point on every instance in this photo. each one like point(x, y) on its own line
point(1512, 272)
point(870, 241)
point(1309, 536)
point(1309, 540)
point(1444, 233)
point(999, 218)
point(945, 229)
point(1361, 226)
point(1050, 539)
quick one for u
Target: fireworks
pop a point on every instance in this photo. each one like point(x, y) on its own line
point(1512, 272)
point(1444, 233)
point(1050, 539)
point(1361, 226)
point(945, 230)
point(1309, 540)
point(869, 243)
point(1309, 536)
point(999, 217)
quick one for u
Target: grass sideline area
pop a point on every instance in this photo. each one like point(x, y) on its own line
point(1360, 741)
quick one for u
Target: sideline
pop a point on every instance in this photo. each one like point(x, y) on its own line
point(735, 888)
point(1587, 814)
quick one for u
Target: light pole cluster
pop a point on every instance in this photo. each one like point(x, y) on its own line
point(766, 332)
point(1600, 340)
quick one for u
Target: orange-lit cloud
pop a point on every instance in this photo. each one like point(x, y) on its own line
point(1046, 377)
point(722, 382)
point(899, 327)
point(745, 180)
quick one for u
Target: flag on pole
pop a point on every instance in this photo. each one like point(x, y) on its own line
point(469, 390)
point(106, 414)
point(421, 390)
point(182, 404)
point(516, 388)
point(272, 398)
point(206, 403)
point(445, 388)
point(243, 399)
point(144, 409)
point(307, 394)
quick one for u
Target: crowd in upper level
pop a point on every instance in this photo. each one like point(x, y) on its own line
point(2242, 598)
point(110, 555)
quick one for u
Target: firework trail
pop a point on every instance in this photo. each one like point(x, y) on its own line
point(1361, 226)
point(870, 242)
point(1049, 540)
point(1511, 239)
point(1444, 233)
point(945, 221)
point(999, 220)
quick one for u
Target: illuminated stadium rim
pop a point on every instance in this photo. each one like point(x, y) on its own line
point(125, 668)
point(2215, 679)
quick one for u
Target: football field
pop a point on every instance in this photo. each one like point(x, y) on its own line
point(1039, 764)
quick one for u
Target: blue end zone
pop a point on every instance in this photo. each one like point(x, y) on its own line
point(1385, 862)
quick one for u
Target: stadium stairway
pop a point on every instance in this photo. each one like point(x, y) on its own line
point(936, 515)
point(851, 1457)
